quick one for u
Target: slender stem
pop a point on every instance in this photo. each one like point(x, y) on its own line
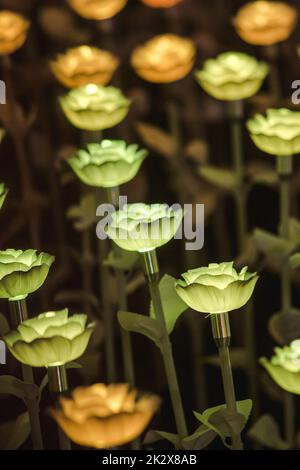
point(58, 384)
point(221, 334)
point(152, 271)
point(272, 53)
point(108, 317)
point(113, 197)
point(18, 310)
point(236, 114)
point(284, 168)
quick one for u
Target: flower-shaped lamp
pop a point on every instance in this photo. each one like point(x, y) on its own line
point(97, 9)
point(265, 22)
point(232, 76)
point(94, 107)
point(164, 59)
point(82, 65)
point(13, 31)
point(22, 272)
point(277, 133)
point(51, 339)
point(143, 228)
point(217, 288)
point(107, 164)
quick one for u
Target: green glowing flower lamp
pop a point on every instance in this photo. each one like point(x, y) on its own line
point(107, 164)
point(141, 227)
point(94, 107)
point(276, 133)
point(232, 76)
point(22, 272)
point(217, 288)
point(51, 339)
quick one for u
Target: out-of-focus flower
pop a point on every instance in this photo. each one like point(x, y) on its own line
point(94, 107)
point(284, 367)
point(50, 339)
point(108, 164)
point(22, 272)
point(265, 22)
point(13, 31)
point(97, 9)
point(232, 76)
point(82, 65)
point(218, 288)
point(105, 416)
point(164, 59)
point(3, 194)
point(277, 133)
point(161, 3)
point(141, 227)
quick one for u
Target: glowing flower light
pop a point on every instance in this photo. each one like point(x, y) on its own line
point(277, 133)
point(82, 65)
point(108, 164)
point(13, 31)
point(232, 76)
point(50, 339)
point(164, 59)
point(22, 272)
point(94, 107)
point(161, 3)
point(284, 367)
point(3, 194)
point(217, 288)
point(265, 22)
point(105, 416)
point(97, 9)
point(141, 227)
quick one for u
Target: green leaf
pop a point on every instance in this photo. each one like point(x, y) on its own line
point(73, 365)
point(294, 229)
point(157, 139)
point(266, 433)
point(126, 260)
point(84, 215)
point(12, 386)
point(173, 306)
point(141, 324)
point(238, 358)
point(222, 422)
point(4, 326)
point(272, 245)
point(288, 381)
point(14, 433)
point(154, 436)
point(200, 439)
point(220, 177)
point(294, 261)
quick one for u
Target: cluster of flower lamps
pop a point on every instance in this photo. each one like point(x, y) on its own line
point(106, 416)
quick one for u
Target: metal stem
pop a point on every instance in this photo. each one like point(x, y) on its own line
point(58, 384)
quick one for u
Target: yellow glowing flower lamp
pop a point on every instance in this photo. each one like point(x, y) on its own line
point(97, 9)
point(105, 416)
point(82, 65)
point(265, 23)
point(161, 3)
point(13, 31)
point(164, 59)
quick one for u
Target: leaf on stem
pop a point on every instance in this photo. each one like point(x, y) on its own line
point(12, 386)
point(266, 433)
point(285, 328)
point(272, 245)
point(141, 324)
point(172, 304)
point(157, 139)
point(14, 433)
point(224, 423)
point(125, 260)
point(153, 436)
point(220, 177)
point(200, 439)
